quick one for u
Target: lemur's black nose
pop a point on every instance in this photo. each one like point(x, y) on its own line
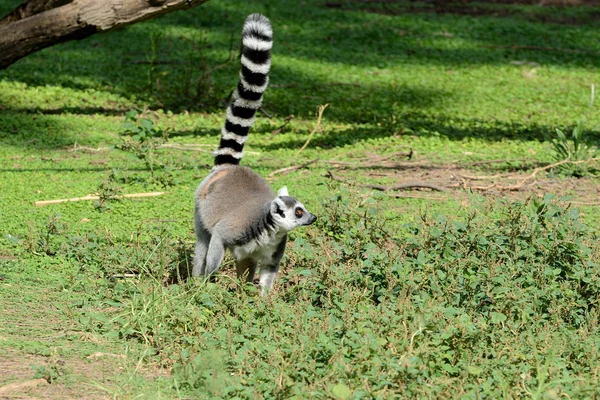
point(312, 219)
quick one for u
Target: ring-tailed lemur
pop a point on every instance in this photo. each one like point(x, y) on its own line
point(235, 208)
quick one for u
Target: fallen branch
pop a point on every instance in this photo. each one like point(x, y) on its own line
point(317, 126)
point(389, 188)
point(523, 180)
point(77, 147)
point(483, 177)
point(122, 276)
point(503, 160)
point(547, 167)
point(292, 168)
point(94, 197)
point(406, 186)
point(262, 110)
point(472, 187)
point(99, 354)
point(414, 196)
point(335, 177)
point(584, 203)
point(174, 146)
point(285, 122)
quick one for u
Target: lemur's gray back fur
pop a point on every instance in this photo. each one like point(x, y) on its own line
point(234, 214)
point(255, 57)
point(235, 207)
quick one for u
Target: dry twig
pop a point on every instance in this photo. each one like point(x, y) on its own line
point(403, 186)
point(94, 197)
point(389, 188)
point(285, 122)
point(522, 182)
point(547, 167)
point(183, 147)
point(77, 147)
point(292, 168)
point(317, 126)
point(414, 196)
point(503, 160)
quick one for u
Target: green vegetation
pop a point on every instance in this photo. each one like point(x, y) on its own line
point(575, 150)
point(489, 293)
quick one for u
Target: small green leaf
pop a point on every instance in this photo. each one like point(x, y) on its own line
point(147, 124)
point(474, 370)
point(497, 317)
point(341, 391)
point(131, 114)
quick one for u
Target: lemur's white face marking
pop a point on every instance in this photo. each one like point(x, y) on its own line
point(288, 212)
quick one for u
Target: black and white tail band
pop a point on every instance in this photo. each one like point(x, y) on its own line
point(255, 54)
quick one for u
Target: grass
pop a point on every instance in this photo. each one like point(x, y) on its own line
point(493, 295)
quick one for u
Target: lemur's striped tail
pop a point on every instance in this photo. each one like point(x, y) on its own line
point(257, 40)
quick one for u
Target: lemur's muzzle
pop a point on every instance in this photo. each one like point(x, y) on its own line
point(312, 219)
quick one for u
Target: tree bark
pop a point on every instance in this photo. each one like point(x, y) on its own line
point(31, 7)
point(37, 24)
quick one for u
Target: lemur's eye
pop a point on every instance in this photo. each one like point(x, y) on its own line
point(299, 212)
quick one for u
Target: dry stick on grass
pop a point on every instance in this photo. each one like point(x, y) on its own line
point(292, 168)
point(363, 162)
point(285, 122)
point(389, 188)
point(484, 177)
point(547, 167)
point(262, 110)
point(527, 178)
point(94, 197)
point(317, 126)
point(182, 147)
point(123, 276)
point(504, 160)
point(414, 196)
point(189, 147)
point(403, 186)
point(584, 203)
point(77, 147)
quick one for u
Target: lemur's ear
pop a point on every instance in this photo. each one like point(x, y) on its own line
point(283, 191)
point(277, 207)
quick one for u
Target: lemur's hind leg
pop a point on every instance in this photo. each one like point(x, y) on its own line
point(215, 254)
point(246, 269)
point(202, 243)
point(270, 268)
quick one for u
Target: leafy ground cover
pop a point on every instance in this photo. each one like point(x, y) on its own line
point(486, 289)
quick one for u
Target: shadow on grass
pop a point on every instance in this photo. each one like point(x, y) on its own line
point(73, 110)
point(427, 126)
point(46, 129)
point(314, 44)
point(309, 32)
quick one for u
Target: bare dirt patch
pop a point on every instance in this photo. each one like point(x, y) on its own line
point(443, 182)
point(18, 379)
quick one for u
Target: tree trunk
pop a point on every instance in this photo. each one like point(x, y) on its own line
point(37, 24)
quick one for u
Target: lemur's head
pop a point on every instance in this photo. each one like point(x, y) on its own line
point(288, 213)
